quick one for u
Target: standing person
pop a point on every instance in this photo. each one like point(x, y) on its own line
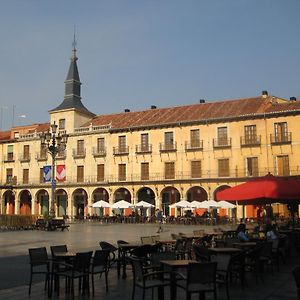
point(159, 217)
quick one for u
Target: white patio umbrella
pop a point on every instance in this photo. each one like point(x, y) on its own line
point(225, 204)
point(101, 204)
point(209, 204)
point(143, 204)
point(121, 204)
point(181, 204)
point(196, 204)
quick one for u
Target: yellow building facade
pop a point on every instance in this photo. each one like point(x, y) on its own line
point(159, 155)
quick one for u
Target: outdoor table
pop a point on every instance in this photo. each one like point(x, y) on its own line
point(245, 245)
point(122, 250)
point(174, 265)
point(225, 250)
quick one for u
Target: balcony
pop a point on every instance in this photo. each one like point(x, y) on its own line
point(99, 152)
point(79, 153)
point(250, 141)
point(9, 158)
point(121, 150)
point(24, 158)
point(169, 147)
point(194, 145)
point(61, 155)
point(221, 143)
point(281, 139)
point(41, 156)
point(143, 149)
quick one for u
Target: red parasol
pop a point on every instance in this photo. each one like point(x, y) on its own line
point(264, 190)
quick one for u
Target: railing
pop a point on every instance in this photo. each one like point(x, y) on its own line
point(222, 143)
point(250, 141)
point(79, 153)
point(194, 145)
point(9, 158)
point(100, 128)
point(143, 148)
point(61, 155)
point(121, 150)
point(285, 138)
point(167, 147)
point(41, 156)
point(99, 152)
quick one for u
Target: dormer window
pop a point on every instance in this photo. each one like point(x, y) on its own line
point(62, 124)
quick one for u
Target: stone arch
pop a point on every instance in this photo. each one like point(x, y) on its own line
point(169, 195)
point(61, 202)
point(146, 194)
point(25, 202)
point(218, 189)
point(80, 203)
point(196, 193)
point(122, 194)
point(97, 195)
point(42, 202)
point(9, 202)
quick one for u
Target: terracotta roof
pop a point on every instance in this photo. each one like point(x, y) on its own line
point(4, 135)
point(193, 113)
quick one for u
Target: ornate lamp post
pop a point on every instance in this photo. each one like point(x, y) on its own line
point(54, 143)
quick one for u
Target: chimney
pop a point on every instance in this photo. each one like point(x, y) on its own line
point(264, 94)
point(127, 110)
point(201, 101)
point(293, 99)
point(153, 106)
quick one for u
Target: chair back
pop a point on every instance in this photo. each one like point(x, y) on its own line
point(38, 256)
point(82, 261)
point(122, 242)
point(142, 251)
point(266, 250)
point(222, 260)
point(296, 274)
point(58, 248)
point(202, 254)
point(100, 258)
point(107, 246)
point(155, 238)
point(137, 268)
point(158, 256)
point(203, 273)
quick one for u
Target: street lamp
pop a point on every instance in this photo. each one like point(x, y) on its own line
point(55, 143)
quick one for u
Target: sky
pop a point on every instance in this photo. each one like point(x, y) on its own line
point(137, 53)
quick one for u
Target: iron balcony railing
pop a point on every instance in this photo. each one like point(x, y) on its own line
point(79, 153)
point(121, 150)
point(98, 152)
point(167, 147)
point(222, 143)
point(194, 145)
point(143, 148)
point(285, 138)
point(250, 141)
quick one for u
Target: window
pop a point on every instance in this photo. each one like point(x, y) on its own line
point(169, 170)
point(122, 172)
point(283, 166)
point(169, 139)
point(41, 175)
point(252, 166)
point(10, 152)
point(195, 138)
point(122, 143)
point(250, 134)
point(281, 132)
point(145, 171)
point(144, 142)
point(9, 175)
point(223, 167)
point(80, 173)
point(80, 147)
point(25, 176)
point(196, 169)
point(100, 172)
point(26, 154)
point(101, 145)
point(62, 124)
point(222, 136)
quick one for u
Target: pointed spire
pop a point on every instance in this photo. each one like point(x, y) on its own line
point(72, 98)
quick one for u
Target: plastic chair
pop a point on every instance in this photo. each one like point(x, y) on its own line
point(100, 265)
point(39, 264)
point(112, 252)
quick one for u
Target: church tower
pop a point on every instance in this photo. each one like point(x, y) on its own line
point(71, 113)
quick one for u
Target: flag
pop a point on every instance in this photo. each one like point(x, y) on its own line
point(61, 173)
point(47, 173)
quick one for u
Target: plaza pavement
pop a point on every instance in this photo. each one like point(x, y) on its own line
point(14, 263)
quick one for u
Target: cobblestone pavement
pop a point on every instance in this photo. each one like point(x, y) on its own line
point(14, 263)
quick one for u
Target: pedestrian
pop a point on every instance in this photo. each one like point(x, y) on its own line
point(159, 218)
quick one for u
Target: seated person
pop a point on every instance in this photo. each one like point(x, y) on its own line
point(241, 233)
point(270, 232)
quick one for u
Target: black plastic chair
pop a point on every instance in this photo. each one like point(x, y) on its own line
point(201, 279)
point(78, 269)
point(112, 252)
point(296, 274)
point(145, 280)
point(100, 265)
point(39, 264)
point(202, 254)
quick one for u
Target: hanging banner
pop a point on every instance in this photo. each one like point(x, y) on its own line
point(61, 173)
point(47, 173)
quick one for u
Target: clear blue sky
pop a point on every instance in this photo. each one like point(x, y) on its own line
point(138, 53)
